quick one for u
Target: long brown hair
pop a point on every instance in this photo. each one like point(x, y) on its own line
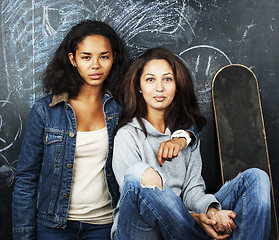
point(184, 110)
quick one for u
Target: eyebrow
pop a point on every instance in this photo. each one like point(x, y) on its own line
point(88, 53)
point(154, 74)
point(168, 73)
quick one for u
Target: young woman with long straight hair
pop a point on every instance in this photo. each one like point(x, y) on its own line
point(167, 200)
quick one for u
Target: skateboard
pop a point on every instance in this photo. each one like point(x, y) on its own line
point(240, 126)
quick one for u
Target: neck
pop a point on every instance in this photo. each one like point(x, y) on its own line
point(90, 93)
point(157, 120)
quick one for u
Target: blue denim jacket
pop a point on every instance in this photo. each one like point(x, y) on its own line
point(45, 165)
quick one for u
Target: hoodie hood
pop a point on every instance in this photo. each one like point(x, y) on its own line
point(151, 130)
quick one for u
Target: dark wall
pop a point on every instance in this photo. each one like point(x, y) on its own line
point(206, 34)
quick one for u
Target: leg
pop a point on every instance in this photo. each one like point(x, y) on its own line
point(95, 232)
point(73, 231)
point(69, 233)
point(248, 195)
point(149, 209)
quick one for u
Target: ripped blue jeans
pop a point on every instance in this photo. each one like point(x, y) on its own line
point(149, 213)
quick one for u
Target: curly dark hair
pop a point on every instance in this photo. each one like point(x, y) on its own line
point(184, 110)
point(60, 76)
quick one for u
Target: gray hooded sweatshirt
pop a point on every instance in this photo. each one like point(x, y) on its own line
point(182, 174)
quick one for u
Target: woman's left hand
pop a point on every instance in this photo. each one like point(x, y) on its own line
point(170, 149)
point(206, 224)
point(224, 221)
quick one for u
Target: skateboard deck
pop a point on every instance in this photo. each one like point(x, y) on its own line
point(240, 126)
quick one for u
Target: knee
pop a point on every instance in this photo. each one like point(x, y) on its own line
point(258, 176)
point(259, 181)
point(151, 178)
point(144, 174)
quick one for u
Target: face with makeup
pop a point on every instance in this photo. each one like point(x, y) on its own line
point(157, 84)
point(93, 59)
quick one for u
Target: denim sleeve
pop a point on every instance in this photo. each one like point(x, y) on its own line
point(28, 170)
point(196, 135)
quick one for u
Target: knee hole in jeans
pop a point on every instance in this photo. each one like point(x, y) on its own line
point(151, 178)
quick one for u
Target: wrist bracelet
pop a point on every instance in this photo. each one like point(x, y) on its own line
point(182, 133)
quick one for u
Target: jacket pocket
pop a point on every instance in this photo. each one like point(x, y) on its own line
point(52, 138)
point(51, 171)
point(53, 141)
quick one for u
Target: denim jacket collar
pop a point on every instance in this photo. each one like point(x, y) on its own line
point(64, 97)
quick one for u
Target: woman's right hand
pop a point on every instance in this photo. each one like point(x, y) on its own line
point(170, 149)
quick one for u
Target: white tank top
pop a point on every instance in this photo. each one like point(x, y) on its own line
point(90, 200)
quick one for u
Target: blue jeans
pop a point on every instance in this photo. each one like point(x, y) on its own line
point(151, 213)
point(248, 195)
point(74, 231)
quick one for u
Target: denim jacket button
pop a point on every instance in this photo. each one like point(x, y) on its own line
point(66, 107)
point(65, 195)
point(72, 134)
point(69, 165)
point(60, 224)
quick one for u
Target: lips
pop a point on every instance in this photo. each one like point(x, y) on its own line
point(159, 98)
point(95, 76)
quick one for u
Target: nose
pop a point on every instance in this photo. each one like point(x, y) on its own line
point(160, 87)
point(95, 63)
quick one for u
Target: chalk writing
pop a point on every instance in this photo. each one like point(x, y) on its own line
point(31, 31)
point(7, 172)
point(10, 125)
point(209, 60)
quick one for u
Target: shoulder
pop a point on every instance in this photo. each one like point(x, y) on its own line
point(51, 102)
point(44, 106)
point(111, 104)
point(44, 100)
point(128, 140)
point(42, 103)
point(130, 132)
point(126, 131)
point(40, 107)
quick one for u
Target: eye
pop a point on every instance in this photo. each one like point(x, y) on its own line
point(168, 79)
point(86, 57)
point(105, 57)
point(149, 79)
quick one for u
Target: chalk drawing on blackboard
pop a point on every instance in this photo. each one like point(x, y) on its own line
point(49, 30)
point(144, 25)
point(10, 125)
point(203, 61)
point(7, 172)
point(32, 30)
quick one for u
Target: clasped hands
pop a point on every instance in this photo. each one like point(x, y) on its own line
point(216, 224)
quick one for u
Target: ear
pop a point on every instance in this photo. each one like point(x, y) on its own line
point(72, 59)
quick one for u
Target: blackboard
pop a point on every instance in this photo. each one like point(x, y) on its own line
point(206, 34)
